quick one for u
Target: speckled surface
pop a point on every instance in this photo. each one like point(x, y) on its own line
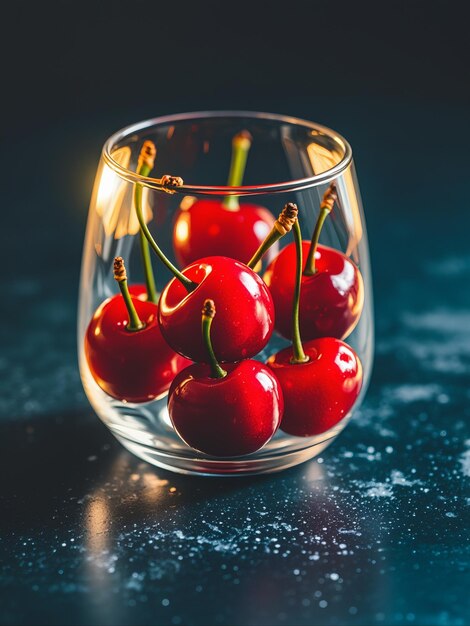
point(375, 531)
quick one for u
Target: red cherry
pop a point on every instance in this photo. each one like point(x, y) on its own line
point(132, 366)
point(229, 416)
point(139, 291)
point(331, 300)
point(208, 228)
point(239, 289)
point(319, 393)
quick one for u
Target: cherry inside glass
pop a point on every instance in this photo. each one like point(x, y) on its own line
point(290, 160)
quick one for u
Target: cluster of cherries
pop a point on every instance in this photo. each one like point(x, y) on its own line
point(221, 401)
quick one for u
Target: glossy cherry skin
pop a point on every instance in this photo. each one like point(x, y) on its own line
point(131, 366)
point(229, 416)
point(319, 393)
point(245, 311)
point(331, 300)
point(207, 228)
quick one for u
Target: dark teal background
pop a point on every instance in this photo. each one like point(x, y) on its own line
point(375, 531)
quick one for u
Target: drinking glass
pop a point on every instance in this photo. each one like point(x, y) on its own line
point(291, 160)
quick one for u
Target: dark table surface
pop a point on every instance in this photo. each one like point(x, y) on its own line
point(375, 531)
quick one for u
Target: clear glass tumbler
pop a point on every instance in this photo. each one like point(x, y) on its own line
point(290, 160)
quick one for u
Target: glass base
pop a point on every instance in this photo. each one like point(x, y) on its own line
point(224, 467)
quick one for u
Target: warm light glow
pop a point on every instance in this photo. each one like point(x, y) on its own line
point(321, 158)
point(99, 560)
point(182, 229)
point(111, 190)
point(151, 481)
point(187, 202)
point(97, 526)
point(114, 199)
point(128, 222)
point(154, 488)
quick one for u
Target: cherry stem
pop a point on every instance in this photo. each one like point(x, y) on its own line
point(297, 348)
point(152, 296)
point(241, 145)
point(326, 206)
point(146, 156)
point(135, 323)
point(208, 313)
point(281, 227)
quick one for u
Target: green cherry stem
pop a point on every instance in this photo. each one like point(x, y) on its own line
point(297, 348)
point(144, 169)
point(281, 227)
point(120, 274)
point(147, 156)
point(208, 313)
point(241, 145)
point(326, 206)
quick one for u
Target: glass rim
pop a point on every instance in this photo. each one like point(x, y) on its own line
point(191, 189)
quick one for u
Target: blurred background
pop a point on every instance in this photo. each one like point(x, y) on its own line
point(393, 79)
